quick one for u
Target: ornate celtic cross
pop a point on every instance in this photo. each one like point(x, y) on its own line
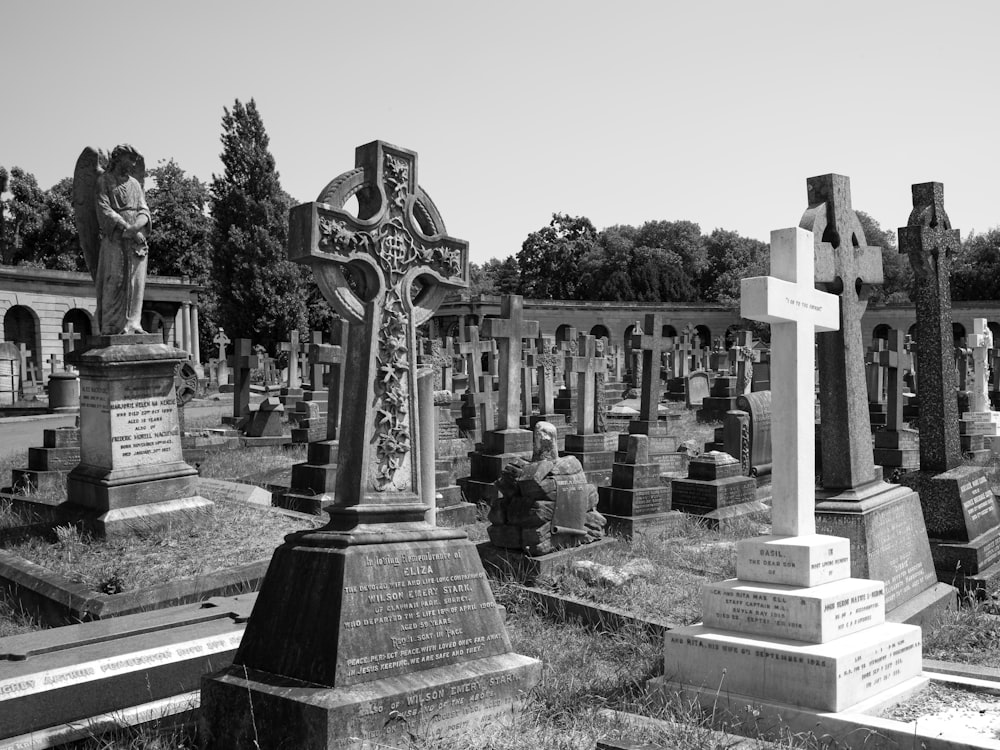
point(385, 270)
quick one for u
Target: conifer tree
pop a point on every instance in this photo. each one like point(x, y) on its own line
point(260, 294)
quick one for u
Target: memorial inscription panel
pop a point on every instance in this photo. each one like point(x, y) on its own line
point(411, 608)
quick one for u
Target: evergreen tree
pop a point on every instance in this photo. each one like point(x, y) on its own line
point(179, 242)
point(259, 293)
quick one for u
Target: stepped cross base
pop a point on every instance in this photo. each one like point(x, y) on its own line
point(397, 622)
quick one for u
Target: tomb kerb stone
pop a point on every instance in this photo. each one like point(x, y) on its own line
point(883, 521)
point(132, 475)
point(959, 508)
point(331, 648)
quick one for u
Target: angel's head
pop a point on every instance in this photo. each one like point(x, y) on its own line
point(123, 159)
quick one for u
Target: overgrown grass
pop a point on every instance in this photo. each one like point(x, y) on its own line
point(251, 466)
point(969, 634)
point(235, 534)
point(14, 619)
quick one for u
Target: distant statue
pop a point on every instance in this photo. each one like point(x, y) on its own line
point(113, 222)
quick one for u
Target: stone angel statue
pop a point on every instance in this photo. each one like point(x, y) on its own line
point(113, 221)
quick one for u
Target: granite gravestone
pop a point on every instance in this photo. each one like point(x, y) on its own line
point(478, 407)
point(896, 446)
point(545, 360)
point(378, 625)
point(637, 500)
point(793, 627)
point(883, 521)
point(959, 508)
point(587, 444)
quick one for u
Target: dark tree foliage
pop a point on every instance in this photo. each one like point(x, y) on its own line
point(180, 240)
point(39, 230)
point(24, 216)
point(495, 277)
point(259, 293)
point(549, 259)
point(896, 270)
point(975, 272)
point(730, 257)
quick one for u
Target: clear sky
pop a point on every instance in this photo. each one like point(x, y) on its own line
point(715, 112)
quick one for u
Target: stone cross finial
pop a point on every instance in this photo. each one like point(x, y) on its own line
point(334, 357)
point(397, 239)
point(480, 386)
point(242, 362)
point(587, 366)
point(929, 242)
point(69, 338)
point(875, 375)
point(745, 357)
point(222, 341)
point(545, 362)
point(796, 311)
point(508, 331)
point(652, 343)
point(848, 267)
point(53, 360)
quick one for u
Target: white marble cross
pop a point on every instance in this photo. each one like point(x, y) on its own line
point(796, 310)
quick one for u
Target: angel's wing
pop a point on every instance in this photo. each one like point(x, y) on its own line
point(139, 173)
point(85, 176)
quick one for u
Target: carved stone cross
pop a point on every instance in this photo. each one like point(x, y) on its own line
point(508, 331)
point(890, 360)
point(242, 362)
point(652, 343)
point(796, 310)
point(875, 375)
point(385, 271)
point(745, 356)
point(480, 387)
point(981, 342)
point(929, 242)
point(544, 359)
point(587, 365)
point(53, 360)
point(69, 338)
point(222, 341)
point(292, 346)
point(848, 267)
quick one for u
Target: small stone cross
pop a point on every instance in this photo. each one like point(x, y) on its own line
point(890, 360)
point(242, 362)
point(53, 360)
point(962, 356)
point(981, 342)
point(508, 331)
point(587, 366)
point(746, 356)
point(69, 338)
point(652, 343)
point(875, 376)
point(544, 360)
point(796, 311)
point(527, 366)
point(222, 341)
point(292, 346)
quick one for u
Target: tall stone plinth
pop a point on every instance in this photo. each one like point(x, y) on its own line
point(897, 450)
point(794, 629)
point(885, 525)
point(314, 481)
point(132, 475)
point(637, 500)
point(963, 524)
point(721, 398)
point(398, 635)
point(593, 454)
point(47, 466)
point(499, 448)
point(662, 443)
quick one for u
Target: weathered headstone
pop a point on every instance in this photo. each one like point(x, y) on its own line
point(793, 627)
point(546, 360)
point(335, 644)
point(747, 433)
point(10, 373)
point(745, 355)
point(979, 427)
point(478, 407)
point(959, 508)
point(883, 521)
point(638, 499)
point(48, 464)
point(292, 347)
point(221, 340)
point(241, 362)
point(875, 382)
point(697, 389)
point(132, 475)
point(715, 489)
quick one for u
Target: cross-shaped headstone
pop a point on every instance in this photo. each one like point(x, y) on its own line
point(962, 356)
point(53, 360)
point(222, 341)
point(848, 267)
point(586, 365)
point(317, 365)
point(796, 311)
point(396, 240)
point(242, 362)
point(292, 346)
point(332, 356)
point(929, 242)
point(682, 357)
point(567, 348)
point(875, 375)
point(910, 345)
point(479, 385)
point(69, 338)
point(746, 355)
point(981, 341)
point(544, 359)
point(890, 360)
point(527, 366)
point(508, 331)
point(651, 342)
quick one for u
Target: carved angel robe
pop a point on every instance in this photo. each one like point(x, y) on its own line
point(121, 268)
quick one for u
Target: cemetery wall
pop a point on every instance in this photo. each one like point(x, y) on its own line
point(36, 304)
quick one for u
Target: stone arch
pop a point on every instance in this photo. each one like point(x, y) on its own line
point(153, 322)
point(881, 331)
point(600, 330)
point(912, 332)
point(704, 335)
point(21, 326)
point(730, 336)
point(995, 330)
point(81, 320)
point(957, 332)
point(669, 331)
point(562, 333)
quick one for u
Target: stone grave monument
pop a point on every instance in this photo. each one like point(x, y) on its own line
point(379, 625)
point(48, 465)
point(478, 407)
point(980, 419)
point(638, 499)
point(897, 447)
point(875, 382)
point(545, 359)
point(588, 444)
point(221, 340)
point(883, 521)
point(958, 505)
point(241, 362)
point(715, 489)
point(793, 630)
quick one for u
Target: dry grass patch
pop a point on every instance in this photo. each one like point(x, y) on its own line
point(969, 634)
point(236, 534)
